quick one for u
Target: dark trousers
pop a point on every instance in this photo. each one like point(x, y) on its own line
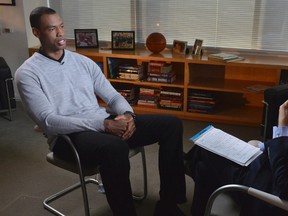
point(210, 171)
point(111, 153)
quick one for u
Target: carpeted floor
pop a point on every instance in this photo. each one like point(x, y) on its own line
point(26, 178)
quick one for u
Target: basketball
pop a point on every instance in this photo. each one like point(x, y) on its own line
point(156, 42)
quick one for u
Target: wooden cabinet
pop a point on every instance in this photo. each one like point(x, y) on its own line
point(228, 82)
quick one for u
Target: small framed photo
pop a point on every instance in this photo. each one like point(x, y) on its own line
point(86, 38)
point(7, 2)
point(197, 48)
point(179, 46)
point(123, 40)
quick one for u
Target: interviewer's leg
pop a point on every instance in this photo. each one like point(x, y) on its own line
point(210, 171)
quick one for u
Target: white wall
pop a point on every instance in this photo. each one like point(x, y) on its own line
point(14, 46)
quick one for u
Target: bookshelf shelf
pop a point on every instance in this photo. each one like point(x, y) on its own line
point(228, 82)
point(237, 86)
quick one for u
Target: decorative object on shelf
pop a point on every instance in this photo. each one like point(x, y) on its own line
point(156, 42)
point(179, 46)
point(86, 38)
point(197, 48)
point(123, 40)
point(7, 2)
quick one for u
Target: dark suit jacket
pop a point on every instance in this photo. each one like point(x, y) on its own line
point(269, 172)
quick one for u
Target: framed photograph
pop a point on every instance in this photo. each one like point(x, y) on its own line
point(7, 2)
point(123, 40)
point(197, 47)
point(86, 38)
point(179, 46)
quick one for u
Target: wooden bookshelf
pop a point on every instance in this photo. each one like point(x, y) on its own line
point(228, 81)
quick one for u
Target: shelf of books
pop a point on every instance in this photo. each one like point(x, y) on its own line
point(232, 115)
point(206, 88)
point(157, 85)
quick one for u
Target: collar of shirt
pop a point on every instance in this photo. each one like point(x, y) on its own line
point(41, 51)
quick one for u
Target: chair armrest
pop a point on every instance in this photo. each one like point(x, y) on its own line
point(269, 198)
point(266, 197)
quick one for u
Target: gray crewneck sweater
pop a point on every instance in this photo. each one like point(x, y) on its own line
point(60, 96)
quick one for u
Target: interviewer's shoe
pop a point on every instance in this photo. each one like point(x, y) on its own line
point(167, 209)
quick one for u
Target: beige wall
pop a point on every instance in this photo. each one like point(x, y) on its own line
point(14, 46)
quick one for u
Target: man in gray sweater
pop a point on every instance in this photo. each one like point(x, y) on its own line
point(58, 89)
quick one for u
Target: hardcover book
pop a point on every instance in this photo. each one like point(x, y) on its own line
point(225, 57)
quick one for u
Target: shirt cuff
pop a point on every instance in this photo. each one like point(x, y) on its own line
point(280, 131)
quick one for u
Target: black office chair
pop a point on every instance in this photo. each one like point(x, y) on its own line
point(84, 174)
point(7, 98)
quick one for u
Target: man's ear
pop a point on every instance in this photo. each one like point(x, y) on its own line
point(35, 32)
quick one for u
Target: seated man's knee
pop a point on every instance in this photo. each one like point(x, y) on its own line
point(117, 149)
point(174, 122)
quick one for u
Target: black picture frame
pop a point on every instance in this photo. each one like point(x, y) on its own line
point(86, 38)
point(123, 40)
point(197, 48)
point(7, 2)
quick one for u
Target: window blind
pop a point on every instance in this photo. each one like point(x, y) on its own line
point(245, 24)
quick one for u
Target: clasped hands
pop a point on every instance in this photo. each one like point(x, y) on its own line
point(122, 126)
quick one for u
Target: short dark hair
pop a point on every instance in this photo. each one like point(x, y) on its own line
point(36, 14)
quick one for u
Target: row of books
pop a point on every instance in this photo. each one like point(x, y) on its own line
point(161, 98)
point(168, 98)
point(131, 72)
point(201, 102)
point(148, 97)
point(157, 71)
point(129, 92)
point(171, 99)
point(160, 71)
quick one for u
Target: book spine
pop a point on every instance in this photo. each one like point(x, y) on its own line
point(161, 79)
point(161, 74)
point(157, 63)
point(149, 91)
point(129, 76)
point(170, 93)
